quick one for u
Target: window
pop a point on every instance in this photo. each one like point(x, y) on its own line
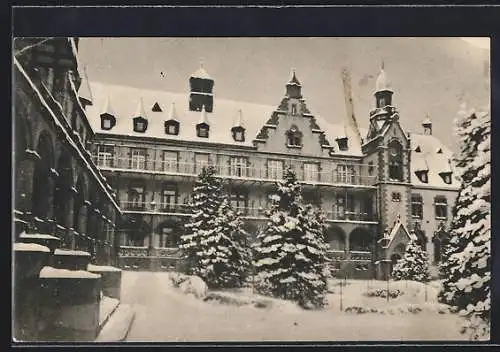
point(156, 108)
point(382, 102)
point(172, 127)
point(275, 169)
point(311, 172)
point(417, 149)
point(140, 124)
point(238, 133)
point(446, 176)
point(106, 124)
point(105, 155)
point(345, 173)
point(294, 137)
point(370, 168)
point(366, 207)
point(422, 176)
point(136, 197)
point(168, 238)
point(417, 206)
point(170, 161)
point(201, 161)
point(294, 109)
point(343, 143)
point(395, 161)
point(238, 166)
point(441, 207)
point(396, 197)
point(340, 207)
point(137, 158)
point(169, 197)
point(239, 200)
point(202, 130)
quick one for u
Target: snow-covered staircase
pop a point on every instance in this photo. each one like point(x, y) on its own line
point(60, 296)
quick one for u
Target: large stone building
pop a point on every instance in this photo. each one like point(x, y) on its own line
point(57, 188)
point(378, 188)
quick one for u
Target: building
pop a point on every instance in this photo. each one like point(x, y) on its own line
point(57, 188)
point(376, 187)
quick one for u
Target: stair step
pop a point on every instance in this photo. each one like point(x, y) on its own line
point(107, 308)
point(118, 325)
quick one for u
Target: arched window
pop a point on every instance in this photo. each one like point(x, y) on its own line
point(294, 137)
point(395, 161)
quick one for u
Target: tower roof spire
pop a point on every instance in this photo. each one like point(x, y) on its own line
point(382, 83)
point(107, 109)
point(427, 120)
point(239, 119)
point(293, 78)
point(201, 73)
point(140, 109)
point(173, 112)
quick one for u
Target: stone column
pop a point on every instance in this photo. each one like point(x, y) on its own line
point(82, 223)
point(69, 216)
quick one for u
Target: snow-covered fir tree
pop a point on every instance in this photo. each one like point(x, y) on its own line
point(290, 253)
point(466, 284)
point(414, 265)
point(214, 247)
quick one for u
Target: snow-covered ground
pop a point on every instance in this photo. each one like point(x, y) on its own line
point(164, 314)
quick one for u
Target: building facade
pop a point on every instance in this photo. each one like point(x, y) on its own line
point(378, 188)
point(58, 190)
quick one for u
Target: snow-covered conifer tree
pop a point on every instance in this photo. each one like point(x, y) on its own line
point(214, 243)
point(466, 284)
point(414, 265)
point(290, 251)
point(204, 207)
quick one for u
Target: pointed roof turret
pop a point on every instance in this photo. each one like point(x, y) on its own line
point(140, 109)
point(203, 117)
point(239, 119)
point(173, 113)
point(293, 78)
point(201, 73)
point(427, 121)
point(382, 83)
point(107, 109)
point(84, 92)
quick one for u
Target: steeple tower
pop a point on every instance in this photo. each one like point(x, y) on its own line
point(293, 87)
point(383, 91)
point(201, 90)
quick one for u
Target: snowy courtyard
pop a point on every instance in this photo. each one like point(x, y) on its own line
point(165, 314)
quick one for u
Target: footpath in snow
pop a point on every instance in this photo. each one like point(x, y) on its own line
point(164, 314)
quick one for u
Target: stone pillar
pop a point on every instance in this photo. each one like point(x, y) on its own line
point(69, 216)
point(82, 223)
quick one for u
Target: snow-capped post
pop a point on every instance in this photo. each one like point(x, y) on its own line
point(467, 263)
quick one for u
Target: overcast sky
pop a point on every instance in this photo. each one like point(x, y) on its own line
point(429, 75)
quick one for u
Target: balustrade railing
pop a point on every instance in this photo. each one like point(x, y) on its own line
point(171, 167)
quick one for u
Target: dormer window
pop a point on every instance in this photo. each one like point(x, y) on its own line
point(439, 151)
point(156, 108)
point(446, 176)
point(417, 149)
point(107, 121)
point(238, 134)
point(172, 127)
point(140, 124)
point(343, 143)
point(202, 130)
point(422, 176)
point(294, 137)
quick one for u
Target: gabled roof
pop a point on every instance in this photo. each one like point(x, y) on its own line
point(395, 229)
point(221, 120)
point(436, 162)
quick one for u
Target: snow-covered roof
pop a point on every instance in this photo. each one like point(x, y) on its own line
point(293, 78)
point(39, 236)
point(224, 116)
point(102, 268)
point(84, 91)
point(427, 121)
point(201, 73)
point(429, 159)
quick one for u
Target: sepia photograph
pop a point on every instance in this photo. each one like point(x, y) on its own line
point(251, 189)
